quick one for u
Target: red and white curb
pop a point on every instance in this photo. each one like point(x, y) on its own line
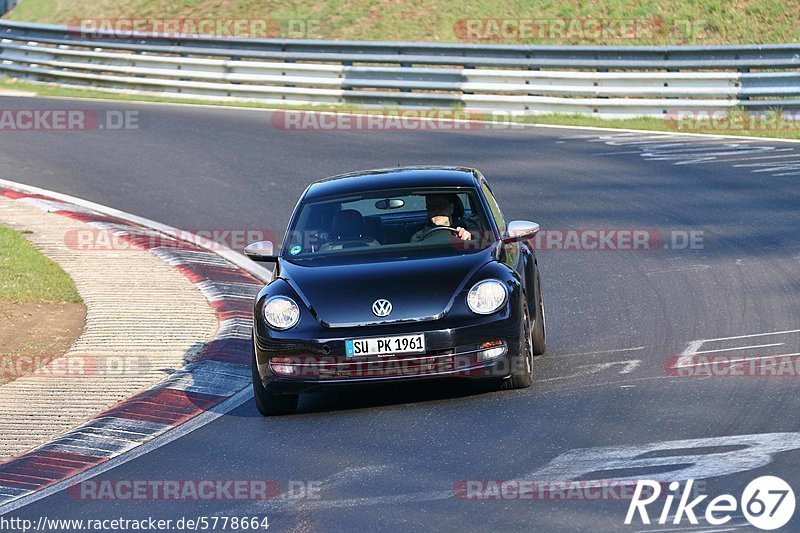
point(221, 370)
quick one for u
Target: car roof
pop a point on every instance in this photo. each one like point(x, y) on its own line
point(393, 178)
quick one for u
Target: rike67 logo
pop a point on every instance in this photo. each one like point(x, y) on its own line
point(767, 503)
point(661, 495)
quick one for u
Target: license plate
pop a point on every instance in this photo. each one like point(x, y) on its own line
point(385, 345)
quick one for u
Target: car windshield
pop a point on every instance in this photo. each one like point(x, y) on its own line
point(389, 223)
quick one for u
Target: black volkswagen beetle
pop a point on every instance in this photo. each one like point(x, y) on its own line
point(396, 274)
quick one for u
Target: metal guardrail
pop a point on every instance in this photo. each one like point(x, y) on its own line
point(603, 81)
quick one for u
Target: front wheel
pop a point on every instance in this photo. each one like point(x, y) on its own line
point(269, 404)
point(539, 333)
point(522, 376)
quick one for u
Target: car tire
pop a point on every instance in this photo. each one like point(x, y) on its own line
point(540, 324)
point(522, 376)
point(269, 404)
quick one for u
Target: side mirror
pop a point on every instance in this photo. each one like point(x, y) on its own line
point(262, 251)
point(520, 230)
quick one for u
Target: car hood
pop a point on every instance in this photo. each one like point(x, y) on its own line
point(418, 289)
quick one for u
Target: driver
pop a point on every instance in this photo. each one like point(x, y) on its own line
point(440, 209)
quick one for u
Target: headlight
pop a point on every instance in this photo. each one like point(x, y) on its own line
point(281, 312)
point(487, 296)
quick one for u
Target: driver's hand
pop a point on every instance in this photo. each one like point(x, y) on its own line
point(463, 234)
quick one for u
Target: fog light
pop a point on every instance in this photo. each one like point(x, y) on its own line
point(492, 350)
point(277, 366)
point(282, 369)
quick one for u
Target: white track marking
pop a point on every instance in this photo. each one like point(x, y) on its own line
point(767, 164)
point(649, 152)
point(743, 453)
point(734, 150)
point(753, 335)
point(774, 168)
point(759, 450)
point(712, 157)
point(614, 141)
point(688, 268)
point(629, 138)
point(627, 367)
point(630, 366)
point(756, 358)
point(659, 145)
point(691, 157)
point(792, 153)
point(685, 358)
point(355, 473)
point(623, 152)
point(736, 349)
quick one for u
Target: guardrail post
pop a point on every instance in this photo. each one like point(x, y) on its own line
point(6, 5)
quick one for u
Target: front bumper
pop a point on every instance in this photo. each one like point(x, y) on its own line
point(292, 365)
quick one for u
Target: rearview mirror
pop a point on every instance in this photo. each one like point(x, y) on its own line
point(262, 251)
point(390, 203)
point(521, 230)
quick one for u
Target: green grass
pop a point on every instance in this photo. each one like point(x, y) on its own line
point(28, 276)
point(675, 21)
point(642, 123)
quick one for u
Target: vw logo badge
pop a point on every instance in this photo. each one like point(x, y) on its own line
point(382, 308)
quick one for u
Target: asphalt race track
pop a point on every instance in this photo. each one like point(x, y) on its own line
point(389, 458)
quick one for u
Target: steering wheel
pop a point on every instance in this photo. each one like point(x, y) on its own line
point(437, 228)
